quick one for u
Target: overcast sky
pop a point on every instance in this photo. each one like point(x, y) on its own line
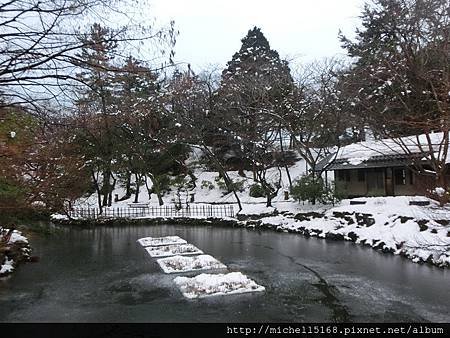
point(302, 30)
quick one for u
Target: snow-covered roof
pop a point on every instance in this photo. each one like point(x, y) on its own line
point(386, 152)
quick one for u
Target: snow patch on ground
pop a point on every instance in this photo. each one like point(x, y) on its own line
point(156, 241)
point(206, 285)
point(173, 250)
point(178, 264)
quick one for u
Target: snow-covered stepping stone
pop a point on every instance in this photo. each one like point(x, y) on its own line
point(173, 250)
point(178, 264)
point(155, 241)
point(206, 285)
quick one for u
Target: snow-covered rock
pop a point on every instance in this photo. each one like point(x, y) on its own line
point(421, 233)
point(206, 285)
point(7, 267)
point(156, 241)
point(178, 264)
point(17, 236)
point(18, 250)
point(173, 250)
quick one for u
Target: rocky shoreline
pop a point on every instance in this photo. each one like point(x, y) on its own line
point(301, 223)
point(14, 250)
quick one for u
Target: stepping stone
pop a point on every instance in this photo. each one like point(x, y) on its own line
point(207, 285)
point(173, 250)
point(177, 264)
point(155, 241)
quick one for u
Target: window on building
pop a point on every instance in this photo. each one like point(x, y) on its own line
point(400, 176)
point(361, 175)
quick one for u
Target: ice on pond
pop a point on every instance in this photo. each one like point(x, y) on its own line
point(156, 241)
point(178, 264)
point(173, 250)
point(206, 285)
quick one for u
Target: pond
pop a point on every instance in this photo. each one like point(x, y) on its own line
point(103, 275)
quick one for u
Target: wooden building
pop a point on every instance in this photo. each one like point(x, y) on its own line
point(381, 168)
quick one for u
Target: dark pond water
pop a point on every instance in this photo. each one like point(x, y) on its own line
point(103, 275)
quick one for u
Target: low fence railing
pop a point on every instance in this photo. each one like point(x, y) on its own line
point(214, 211)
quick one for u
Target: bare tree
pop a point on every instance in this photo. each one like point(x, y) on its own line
point(314, 119)
point(39, 44)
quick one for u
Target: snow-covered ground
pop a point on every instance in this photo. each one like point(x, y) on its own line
point(173, 250)
point(206, 285)
point(155, 241)
point(209, 189)
point(177, 264)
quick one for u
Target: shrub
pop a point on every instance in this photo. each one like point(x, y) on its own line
point(312, 189)
point(207, 185)
point(236, 186)
point(307, 188)
point(221, 183)
point(256, 190)
point(333, 194)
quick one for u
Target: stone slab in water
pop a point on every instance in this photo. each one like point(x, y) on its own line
point(173, 250)
point(208, 285)
point(156, 241)
point(178, 264)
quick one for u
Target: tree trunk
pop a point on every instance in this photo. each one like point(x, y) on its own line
point(269, 200)
point(99, 193)
point(284, 161)
point(255, 174)
point(106, 187)
point(136, 195)
point(149, 191)
point(111, 190)
point(128, 186)
point(160, 200)
point(156, 189)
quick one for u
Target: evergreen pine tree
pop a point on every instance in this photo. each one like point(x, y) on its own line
point(251, 102)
